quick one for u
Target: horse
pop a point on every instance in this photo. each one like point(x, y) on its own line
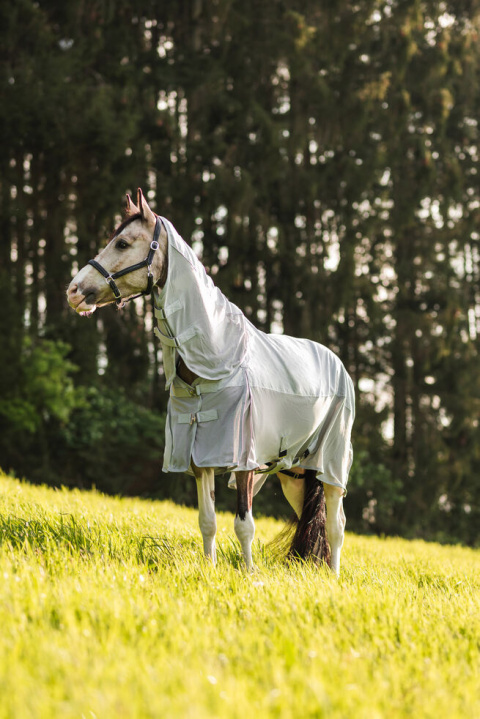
point(241, 401)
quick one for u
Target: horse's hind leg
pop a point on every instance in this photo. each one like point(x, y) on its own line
point(335, 523)
point(244, 524)
point(206, 509)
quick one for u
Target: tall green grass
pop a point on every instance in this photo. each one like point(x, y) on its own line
point(108, 610)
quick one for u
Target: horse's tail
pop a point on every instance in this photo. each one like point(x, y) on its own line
point(310, 538)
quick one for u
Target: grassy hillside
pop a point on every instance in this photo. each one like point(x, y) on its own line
point(108, 610)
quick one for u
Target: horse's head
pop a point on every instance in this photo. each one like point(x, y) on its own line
point(113, 276)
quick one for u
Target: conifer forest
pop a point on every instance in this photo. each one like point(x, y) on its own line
point(321, 158)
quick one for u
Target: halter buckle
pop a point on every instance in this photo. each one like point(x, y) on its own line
point(154, 245)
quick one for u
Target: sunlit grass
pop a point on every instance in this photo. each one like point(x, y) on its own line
point(109, 610)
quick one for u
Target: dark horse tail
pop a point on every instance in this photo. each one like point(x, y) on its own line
point(310, 538)
point(306, 538)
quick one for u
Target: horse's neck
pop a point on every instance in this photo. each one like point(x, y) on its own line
point(188, 287)
point(182, 370)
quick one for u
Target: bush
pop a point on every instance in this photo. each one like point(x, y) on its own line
point(112, 443)
point(55, 433)
point(374, 495)
point(40, 393)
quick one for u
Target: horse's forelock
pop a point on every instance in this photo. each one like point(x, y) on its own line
point(126, 222)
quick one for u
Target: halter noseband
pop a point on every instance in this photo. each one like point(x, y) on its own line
point(147, 262)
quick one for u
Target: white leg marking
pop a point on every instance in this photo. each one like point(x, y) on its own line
point(335, 523)
point(294, 491)
point(245, 531)
point(206, 510)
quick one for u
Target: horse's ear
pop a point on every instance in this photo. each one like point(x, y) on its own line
point(144, 209)
point(132, 209)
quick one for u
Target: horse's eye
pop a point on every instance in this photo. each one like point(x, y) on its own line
point(121, 245)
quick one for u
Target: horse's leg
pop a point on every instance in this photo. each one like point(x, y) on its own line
point(335, 523)
point(244, 524)
point(293, 489)
point(206, 509)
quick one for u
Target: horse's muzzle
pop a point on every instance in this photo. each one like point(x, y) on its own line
point(81, 300)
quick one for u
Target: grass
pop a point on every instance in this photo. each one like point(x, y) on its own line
point(108, 610)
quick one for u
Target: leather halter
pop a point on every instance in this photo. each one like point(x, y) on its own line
point(147, 262)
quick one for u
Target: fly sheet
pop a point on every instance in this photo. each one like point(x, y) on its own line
point(261, 400)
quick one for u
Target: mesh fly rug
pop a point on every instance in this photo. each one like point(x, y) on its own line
point(261, 401)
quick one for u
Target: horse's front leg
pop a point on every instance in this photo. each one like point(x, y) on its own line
point(244, 524)
point(207, 520)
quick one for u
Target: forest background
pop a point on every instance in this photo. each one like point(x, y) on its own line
point(322, 159)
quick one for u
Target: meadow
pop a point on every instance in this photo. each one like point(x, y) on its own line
point(109, 610)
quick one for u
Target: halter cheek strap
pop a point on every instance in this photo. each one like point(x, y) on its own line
point(147, 262)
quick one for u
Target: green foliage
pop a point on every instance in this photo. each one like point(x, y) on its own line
point(112, 443)
point(106, 604)
point(47, 379)
point(96, 436)
point(43, 393)
point(374, 497)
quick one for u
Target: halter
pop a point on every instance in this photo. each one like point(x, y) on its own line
point(147, 262)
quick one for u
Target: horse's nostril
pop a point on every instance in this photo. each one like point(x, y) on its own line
point(90, 295)
point(78, 292)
